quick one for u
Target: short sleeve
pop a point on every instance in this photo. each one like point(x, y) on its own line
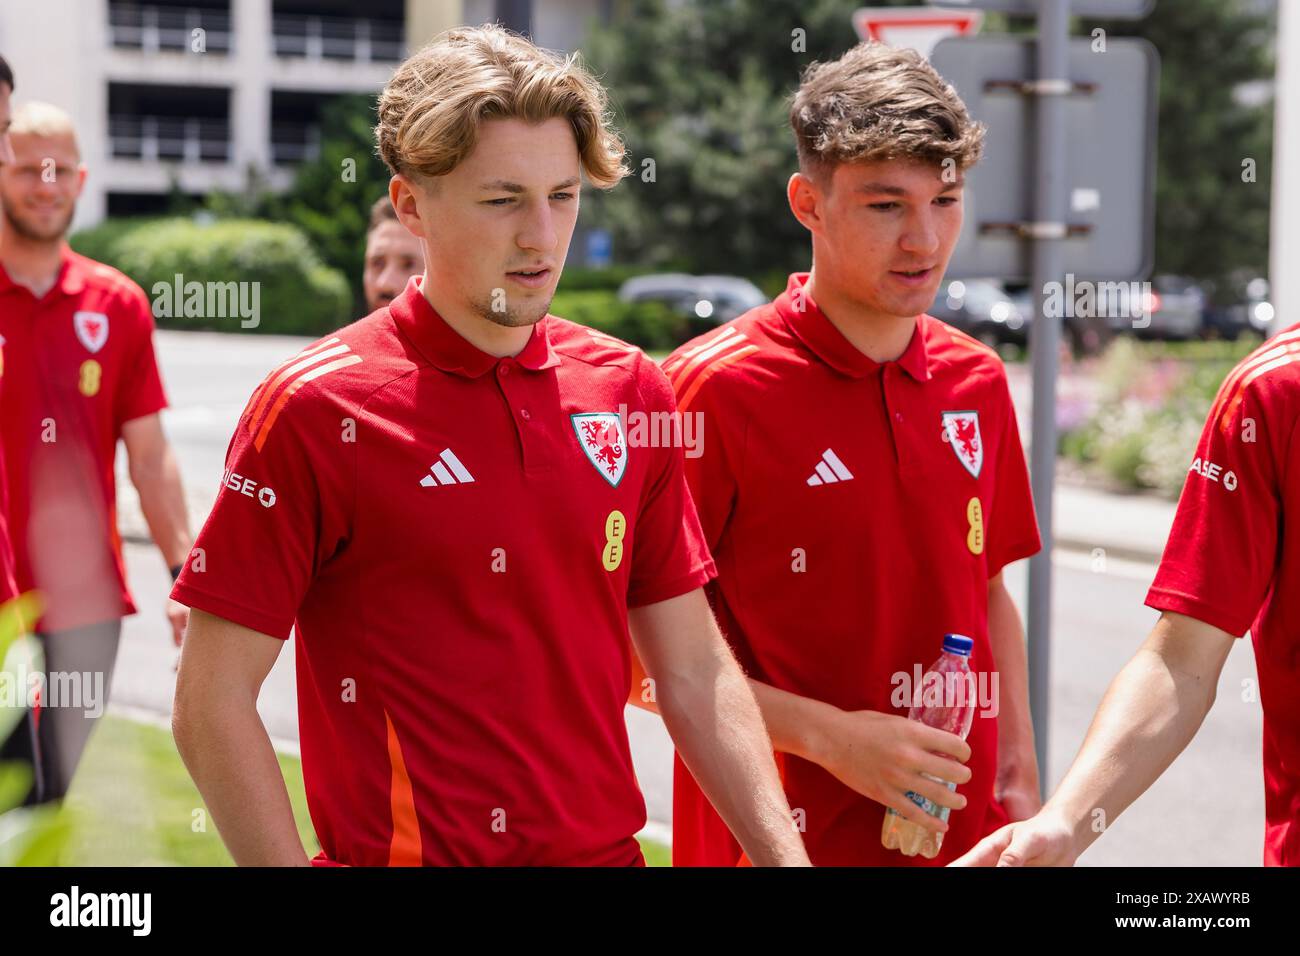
point(1221, 555)
point(140, 389)
point(669, 555)
point(1012, 524)
point(283, 510)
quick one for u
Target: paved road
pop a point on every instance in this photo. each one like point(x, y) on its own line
point(1207, 810)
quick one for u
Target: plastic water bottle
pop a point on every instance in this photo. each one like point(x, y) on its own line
point(952, 681)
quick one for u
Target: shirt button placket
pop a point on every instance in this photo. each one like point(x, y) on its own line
point(893, 413)
point(514, 389)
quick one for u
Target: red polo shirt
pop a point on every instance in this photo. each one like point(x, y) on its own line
point(1233, 556)
point(8, 583)
point(850, 536)
point(458, 539)
point(79, 363)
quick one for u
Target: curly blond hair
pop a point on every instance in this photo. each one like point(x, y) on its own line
point(877, 102)
point(430, 110)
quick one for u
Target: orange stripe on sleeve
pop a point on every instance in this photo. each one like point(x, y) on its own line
point(1232, 393)
point(675, 361)
point(275, 372)
point(1239, 395)
point(298, 383)
point(284, 375)
point(704, 355)
point(710, 370)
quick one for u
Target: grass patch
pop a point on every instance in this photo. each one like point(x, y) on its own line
point(132, 803)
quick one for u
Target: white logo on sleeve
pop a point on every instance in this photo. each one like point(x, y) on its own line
point(91, 329)
point(1208, 470)
point(249, 488)
point(448, 470)
point(829, 470)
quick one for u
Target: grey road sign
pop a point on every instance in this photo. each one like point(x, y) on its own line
point(1101, 9)
point(1110, 112)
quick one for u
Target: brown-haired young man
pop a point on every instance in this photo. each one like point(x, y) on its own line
point(863, 485)
point(393, 255)
point(441, 499)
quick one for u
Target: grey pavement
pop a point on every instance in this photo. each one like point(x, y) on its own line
point(1207, 809)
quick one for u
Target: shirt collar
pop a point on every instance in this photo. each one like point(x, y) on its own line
point(71, 280)
point(449, 350)
point(828, 343)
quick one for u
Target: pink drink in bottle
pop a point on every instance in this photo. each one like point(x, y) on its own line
point(948, 678)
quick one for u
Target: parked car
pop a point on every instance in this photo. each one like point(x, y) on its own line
point(1167, 307)
point(1085, 334)
point(983, 310)
point(704, 301)
point(1177, 305)
point(1239, 305)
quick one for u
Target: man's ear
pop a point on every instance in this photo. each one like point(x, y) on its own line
point(806, 199)
point(402, 193)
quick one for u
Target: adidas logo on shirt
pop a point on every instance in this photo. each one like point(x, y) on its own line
point(829, 470)
point(440, 475)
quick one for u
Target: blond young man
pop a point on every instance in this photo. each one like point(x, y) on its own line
point(441, 499)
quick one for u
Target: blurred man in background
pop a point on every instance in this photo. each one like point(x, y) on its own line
point(8, 587)
point(393, 256)
point(80, 375)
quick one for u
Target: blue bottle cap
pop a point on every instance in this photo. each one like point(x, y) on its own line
point(958, 644)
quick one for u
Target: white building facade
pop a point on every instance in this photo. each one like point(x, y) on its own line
point(197, 95)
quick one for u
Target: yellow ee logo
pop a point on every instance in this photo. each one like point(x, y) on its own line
point(615, 529)
point(975, 519)
point(91, 373)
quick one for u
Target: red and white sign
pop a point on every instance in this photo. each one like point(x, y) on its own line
point(919, 28)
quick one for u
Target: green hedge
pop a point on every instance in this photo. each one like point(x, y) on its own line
point(295, 294)
point(100, 243)
point(584, 279)
point(651, 325)
point(300, 296)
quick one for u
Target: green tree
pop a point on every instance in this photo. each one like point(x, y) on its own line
point(701, 89)
point(701, 92)
point(1209, 222)
point(331, 195)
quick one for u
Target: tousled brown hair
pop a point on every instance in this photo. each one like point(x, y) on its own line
point(430, 110)
point(878, 102)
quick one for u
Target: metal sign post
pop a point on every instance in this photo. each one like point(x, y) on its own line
point(1048, 229)
point(1095, 164)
